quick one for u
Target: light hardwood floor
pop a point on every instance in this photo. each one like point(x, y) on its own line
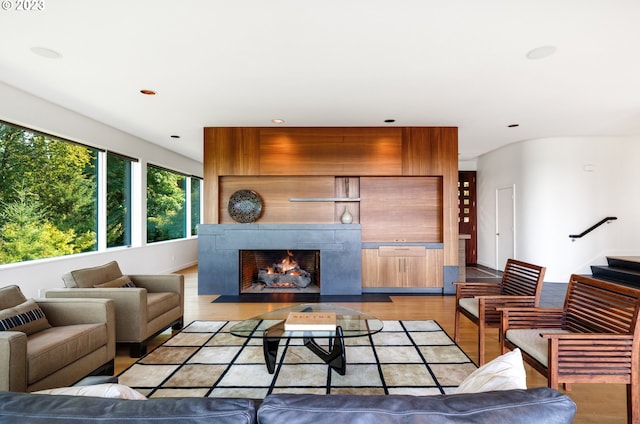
point(597, 403)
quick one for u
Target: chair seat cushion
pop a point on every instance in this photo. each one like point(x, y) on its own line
point(159, 303)
point(54, 348)
point(470, 304)
point(529, 341)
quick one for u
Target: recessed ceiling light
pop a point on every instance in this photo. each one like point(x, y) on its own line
point(389, 121)
point(148, 92)
point(541, 52)
point(45, 52)
point(513, 125)
point(278, 121)
point(175, 136)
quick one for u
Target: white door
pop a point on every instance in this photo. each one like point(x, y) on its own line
point(505, 225)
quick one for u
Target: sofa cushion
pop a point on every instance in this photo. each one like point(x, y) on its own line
point(57, 347)
point(506, 372)
point(89, 277)
point(159, 303)
point(26, 317)
point(47, 409)
point(539, 405)
point(107, 390)
point(530, 341)
point(123, 281)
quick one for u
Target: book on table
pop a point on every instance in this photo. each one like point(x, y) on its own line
point(310, 321)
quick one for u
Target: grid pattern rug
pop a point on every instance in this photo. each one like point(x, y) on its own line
point(204, 359)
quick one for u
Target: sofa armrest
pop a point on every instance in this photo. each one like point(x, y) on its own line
point(160, 282)
point(130, 307)
point(13, 367)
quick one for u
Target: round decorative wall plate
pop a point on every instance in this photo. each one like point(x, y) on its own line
point(245, 206)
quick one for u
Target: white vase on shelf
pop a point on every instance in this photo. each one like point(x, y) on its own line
point(346, 217)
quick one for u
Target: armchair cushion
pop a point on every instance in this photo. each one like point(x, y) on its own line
point(471, 305)
point(90, 277)
point(506, 372)
point(123, 281)
point(159, 303)
point(57, 347)
point(529, 340)
point(26, 317)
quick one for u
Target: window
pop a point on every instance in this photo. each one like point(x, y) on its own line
point(196, 184)
point(166, 204)
point(118, 201)
point(48, 196)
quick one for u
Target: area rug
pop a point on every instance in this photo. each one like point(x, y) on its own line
point(205, 360)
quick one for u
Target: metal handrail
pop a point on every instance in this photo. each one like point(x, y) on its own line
point(593, 227)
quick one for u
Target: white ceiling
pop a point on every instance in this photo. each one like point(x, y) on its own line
point(333, 63)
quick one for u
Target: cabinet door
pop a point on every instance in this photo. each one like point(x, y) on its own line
point(415, 271)
point(391, 271)
point(370, 268)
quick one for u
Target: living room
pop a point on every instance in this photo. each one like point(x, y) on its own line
point(565, 180)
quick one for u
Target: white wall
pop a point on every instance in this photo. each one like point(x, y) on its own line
point(563, 186)
point(24, 109)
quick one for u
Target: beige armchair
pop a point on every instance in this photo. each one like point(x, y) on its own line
point(47, 343)
point(145, 305)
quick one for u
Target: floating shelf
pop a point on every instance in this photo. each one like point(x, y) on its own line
point(324, 199)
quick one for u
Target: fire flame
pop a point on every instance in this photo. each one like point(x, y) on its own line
point(288, 265)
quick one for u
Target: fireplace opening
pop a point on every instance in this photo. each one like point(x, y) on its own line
point(279, 271)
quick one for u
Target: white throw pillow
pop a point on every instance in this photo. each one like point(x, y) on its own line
point(506, 372)
point(108, 390)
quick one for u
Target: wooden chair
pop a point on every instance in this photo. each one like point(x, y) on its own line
point(521, 285)
point(594, 338)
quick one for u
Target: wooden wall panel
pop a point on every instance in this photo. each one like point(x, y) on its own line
point(331, 151)
point(227, 151)
point(434, 151)
point(275, 192)
point(401, 209)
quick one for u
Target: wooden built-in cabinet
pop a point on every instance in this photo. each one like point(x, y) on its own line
point(402, 267)
point(398, 183)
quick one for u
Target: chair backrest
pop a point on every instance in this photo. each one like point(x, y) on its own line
point(11, 296)
point(522, 279)
point(89, 277)
point(596, 306)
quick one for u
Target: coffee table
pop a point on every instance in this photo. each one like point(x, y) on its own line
point(270, 328)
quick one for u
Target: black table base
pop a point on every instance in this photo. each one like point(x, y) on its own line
point(335, 357)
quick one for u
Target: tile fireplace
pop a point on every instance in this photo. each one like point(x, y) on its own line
point(334, 249)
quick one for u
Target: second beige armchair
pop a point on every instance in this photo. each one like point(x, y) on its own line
point(145, 305)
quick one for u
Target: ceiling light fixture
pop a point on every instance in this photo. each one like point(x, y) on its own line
point(46, 53)
point(278, 121)
point(541, 52)
point(148, 92)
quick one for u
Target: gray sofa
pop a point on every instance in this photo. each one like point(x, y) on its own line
point(539, 405)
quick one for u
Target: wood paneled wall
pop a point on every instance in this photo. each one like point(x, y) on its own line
point(336, 151)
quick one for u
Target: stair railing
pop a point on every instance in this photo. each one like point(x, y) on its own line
point(593, 227)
